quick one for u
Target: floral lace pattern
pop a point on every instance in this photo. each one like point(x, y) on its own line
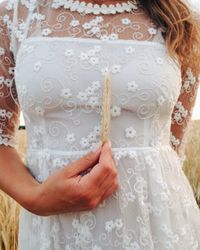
point(60, 95)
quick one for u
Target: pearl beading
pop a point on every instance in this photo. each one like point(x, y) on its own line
point(87, 8)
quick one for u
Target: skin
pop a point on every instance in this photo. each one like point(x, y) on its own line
point(66, 190)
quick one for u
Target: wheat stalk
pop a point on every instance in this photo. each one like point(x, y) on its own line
point(106, 100)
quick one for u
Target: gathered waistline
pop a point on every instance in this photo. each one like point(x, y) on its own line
point(114, 149)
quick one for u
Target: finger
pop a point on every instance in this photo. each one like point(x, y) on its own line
point(106, 153)
point(96, 175)
point(85, 162)
point(113, 188)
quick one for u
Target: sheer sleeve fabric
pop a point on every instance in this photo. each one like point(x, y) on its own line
point(181, 116)
point(9, 105)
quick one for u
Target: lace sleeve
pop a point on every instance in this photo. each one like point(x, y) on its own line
point(182, 112)
point(9, 106)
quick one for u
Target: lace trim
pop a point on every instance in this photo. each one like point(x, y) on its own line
point(94, 8)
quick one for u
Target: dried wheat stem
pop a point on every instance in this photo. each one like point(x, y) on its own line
point(105, 129)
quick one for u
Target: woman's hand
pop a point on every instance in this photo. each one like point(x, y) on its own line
point(68, 190)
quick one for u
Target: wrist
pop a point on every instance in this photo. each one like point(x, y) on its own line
point(30, 196)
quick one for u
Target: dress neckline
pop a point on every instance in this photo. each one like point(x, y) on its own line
point(96, 9)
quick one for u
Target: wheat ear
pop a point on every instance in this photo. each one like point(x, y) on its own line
point(106, 100)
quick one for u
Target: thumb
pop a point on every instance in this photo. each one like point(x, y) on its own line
point(106, 153)
point(85, 162)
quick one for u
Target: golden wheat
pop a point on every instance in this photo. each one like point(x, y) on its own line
point(9, 209)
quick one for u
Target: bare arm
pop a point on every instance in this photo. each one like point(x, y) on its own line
point(64, 191)
point(15, 179)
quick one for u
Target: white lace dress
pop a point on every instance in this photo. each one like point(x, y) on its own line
point(53, 63)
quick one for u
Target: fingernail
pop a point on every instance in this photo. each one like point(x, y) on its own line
point(96, 147)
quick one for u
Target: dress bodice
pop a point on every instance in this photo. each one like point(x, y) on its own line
point(54, 63)
point(61, 91)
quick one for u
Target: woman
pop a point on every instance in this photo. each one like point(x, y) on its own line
point(129, 193)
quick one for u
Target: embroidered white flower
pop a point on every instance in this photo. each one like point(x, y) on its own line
point(96, 85)
point(87, 26)
point(2, 112)
point(115, 111)
point(99, 19)
point(70, 138)
point(2, 79)
point(109, 225)
point(66, 93)
point(160, 100)
point(113, 36)
point(75, 223)
point(83, 56)
point(118, 223)
point(94, 60)
point(82, 96)
point(104, 70)
point(89, 91)
point(97, 130)
point(37, 66)
point(125, 21)
point(94, 30)
point(2, 51)
point(74, 23)
point(159, 60)
point(189, 80)
point(130, 132)
point(180, 113)
point(11, 70)
point(129, 50)
point(92, 137)
point(9, 114)
point(93, 101)
point(39, 110)
point(8, 82)
point(152, 31)
point(132, 86)
point(104, 38)
point(94, 22)
point(46, 32)
point(177, 117)
point(116, 68)
point(84, 142)
point(69, 52)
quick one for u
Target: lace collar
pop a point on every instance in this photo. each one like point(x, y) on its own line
point(87, 8)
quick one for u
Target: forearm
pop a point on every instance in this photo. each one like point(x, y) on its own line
point(15, 179)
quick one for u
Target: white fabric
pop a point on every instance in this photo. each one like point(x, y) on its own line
point(59, 69)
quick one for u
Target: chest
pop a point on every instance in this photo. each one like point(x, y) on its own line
point(64, 72)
